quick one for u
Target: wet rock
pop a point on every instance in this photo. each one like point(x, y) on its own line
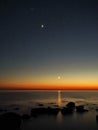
point(1, 110)
point(97, 118)
point(16, 108)
point(38, 111)
point(26, 117)
point(52, 111)
point(55, 105)
point(66, 111)
point(69, 108)
point(10, 121)
point(43, 111)
point(52, 103)
point(71, 105)
point(40, 104)
point(80, 109)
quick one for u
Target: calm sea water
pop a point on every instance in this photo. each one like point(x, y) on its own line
point(47, 98)
point(25, 100)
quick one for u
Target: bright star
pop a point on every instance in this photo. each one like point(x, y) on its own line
point(59, 77)
point(42, 26)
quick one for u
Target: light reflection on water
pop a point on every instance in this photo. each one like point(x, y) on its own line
point(59, 115)
point(48, 98)
point(59, 99)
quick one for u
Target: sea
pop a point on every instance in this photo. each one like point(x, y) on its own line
point(22, 101)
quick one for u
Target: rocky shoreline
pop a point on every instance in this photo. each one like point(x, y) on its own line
point(12, 120)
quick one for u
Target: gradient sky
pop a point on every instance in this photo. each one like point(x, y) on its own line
point(62, 53)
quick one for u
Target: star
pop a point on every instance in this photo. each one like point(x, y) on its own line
point(59, 77)
point(42, 26)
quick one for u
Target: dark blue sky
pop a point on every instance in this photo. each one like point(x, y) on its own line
point(67, 43)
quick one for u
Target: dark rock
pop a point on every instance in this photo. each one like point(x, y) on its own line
point(10, 120)
point(1, 110)
point(96, 109)
point(69, 108)
point(80, 109)
point(16, 108)
point(71, 105)
point(55, 105)
point(52, 103)
point(52, 111)
point(26, 117)
point(97, 118)
point(40, 104)
point(66, 111)
point(42, 111)
point(37, 111)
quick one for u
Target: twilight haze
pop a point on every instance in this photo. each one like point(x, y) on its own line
point(48, 44)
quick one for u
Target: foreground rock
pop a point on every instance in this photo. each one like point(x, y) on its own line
point(69, 108)
point(40, 104)
point(10, 121)
point(2, 110)
point(97, 118)
point(16, 108)
point(43, 111)
point(71, 105)
point(66, 111)
point(80, 109)
point(26, 117)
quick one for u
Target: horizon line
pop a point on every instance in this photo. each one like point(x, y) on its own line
point(90, 89)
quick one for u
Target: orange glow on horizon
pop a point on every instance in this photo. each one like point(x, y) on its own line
point(77, 80)
point(48, 86)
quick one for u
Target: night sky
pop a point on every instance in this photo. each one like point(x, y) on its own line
point(48, 42)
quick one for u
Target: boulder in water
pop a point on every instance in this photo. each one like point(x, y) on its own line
point(66, 111)
point(10, 121)
point(80, 109)
point(71, 105)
